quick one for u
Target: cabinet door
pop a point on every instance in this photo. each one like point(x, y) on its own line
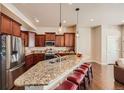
point(26, 39)
point(29, 60)
point(50, 36)
point(59, 40)
point(24, 36)
point(6, 25)
point(37, 58)
point(40, 41)
point(16, 29)
point(69, 39)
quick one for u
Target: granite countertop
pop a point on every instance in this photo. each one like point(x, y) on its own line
point(39, 52)
point(44, 72)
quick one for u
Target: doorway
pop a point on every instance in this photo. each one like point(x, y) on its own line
point(113, 49)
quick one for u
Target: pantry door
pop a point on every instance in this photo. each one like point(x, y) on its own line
point(113, 49)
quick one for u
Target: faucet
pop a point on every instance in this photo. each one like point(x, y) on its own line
point(58, 57)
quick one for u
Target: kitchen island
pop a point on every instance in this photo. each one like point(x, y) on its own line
point(48, 74)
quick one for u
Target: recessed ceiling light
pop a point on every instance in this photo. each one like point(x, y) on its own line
point(64, 21)
point(122, 21)
point(91, 19)
point(36, 20)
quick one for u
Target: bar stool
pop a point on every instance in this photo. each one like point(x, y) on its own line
point(89, 72)
point(84, 71)
point(67, 85)
point(90, 68)
point(78, 78)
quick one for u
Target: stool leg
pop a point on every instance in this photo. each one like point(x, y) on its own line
point(92, 72)
point(86, 83)
point(88, 76)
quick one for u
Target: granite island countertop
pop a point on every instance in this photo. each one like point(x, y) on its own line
point(44, 72)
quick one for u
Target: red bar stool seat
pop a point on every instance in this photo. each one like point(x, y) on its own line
point(83, 71)
point(87, 65)
point(90, 73)
point(90, 68)
point(77, 78)
point(67, 85)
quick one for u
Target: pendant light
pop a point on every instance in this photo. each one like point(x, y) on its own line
point(60, 23)
point(77, 28)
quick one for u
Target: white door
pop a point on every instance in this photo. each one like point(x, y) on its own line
point(113, 49)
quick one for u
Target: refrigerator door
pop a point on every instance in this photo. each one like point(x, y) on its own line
point(3, 62)
point(16, 61)
point(17, 52)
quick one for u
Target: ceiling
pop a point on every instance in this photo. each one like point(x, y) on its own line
point(48, 14)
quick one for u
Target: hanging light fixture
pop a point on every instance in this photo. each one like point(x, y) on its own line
point(77, 28)
point(60, 23)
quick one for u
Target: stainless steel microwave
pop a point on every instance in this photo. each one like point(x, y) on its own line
point(50, 43)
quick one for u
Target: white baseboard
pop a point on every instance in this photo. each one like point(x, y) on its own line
point(98, 62)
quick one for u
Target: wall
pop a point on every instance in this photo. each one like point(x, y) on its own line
point(96, 43)
point(122, 40)
point(42, 30)
point(99, 37)
point(110, 31)
point(83, 42)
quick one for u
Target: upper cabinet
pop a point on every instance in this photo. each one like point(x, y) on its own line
point(28, 38)
point(40, 40)
point(50, 36)
point(9, 26)
point(16, 28)
point(69, 39)
point(6, 25)
point(24, 36)
point(59, 41)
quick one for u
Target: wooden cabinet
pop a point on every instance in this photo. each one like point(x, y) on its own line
point(16, 29)
point(50, 36)
point(29, 61)
point(40, 40)
point(24, 37)
point(28, 38)
point(6, 25)
point(38, 58)
point(32, 59)
point(69, 39)
point(59, 41)
point(9, 26)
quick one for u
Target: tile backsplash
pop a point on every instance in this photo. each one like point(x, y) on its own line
point(43, 49)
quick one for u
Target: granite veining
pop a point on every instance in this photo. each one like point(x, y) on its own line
point(44, 72)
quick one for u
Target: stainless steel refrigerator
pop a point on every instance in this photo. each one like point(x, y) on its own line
point(11, 59)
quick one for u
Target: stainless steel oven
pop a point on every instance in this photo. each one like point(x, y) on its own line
point(49, 56)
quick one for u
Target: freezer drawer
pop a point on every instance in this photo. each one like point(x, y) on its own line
point(13, 74)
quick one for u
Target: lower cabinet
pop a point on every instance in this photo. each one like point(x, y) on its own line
point(32, 59)
point(37, 58)
point(29, 61)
